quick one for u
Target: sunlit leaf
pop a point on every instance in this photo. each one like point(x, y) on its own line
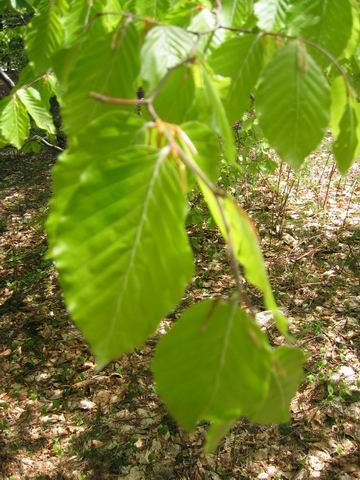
point(293, 103)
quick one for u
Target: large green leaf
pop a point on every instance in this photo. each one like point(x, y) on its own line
point(235, 13)
point(271, 14)
point(176, 96)
point(14, 121)
point(108, 63)
point(293, 103)
point(242, 59)
point(347, 142)
point(120, 243)
point(213, 364)
point(286, 376)
point(37, 108)
point(45, 34)
point(329, 25)
point(241, 236)
point(164, 47)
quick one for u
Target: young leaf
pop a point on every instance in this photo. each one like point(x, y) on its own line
point(108, 63)
point(120, 243)
point(330, 26)
point(164, 47)
point(212, 365)
point(244, 243)
point(242, 59)
point(347, 142)
point(271, 14)
point(286, 376)
point(293, 103)
point(45, 34)
point(37, 108)
point(14, 121)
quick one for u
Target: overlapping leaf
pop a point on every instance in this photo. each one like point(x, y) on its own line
point(271, 14)
point(328, 24)
point(293, 103)
point(235, 13)
point(164, 47)
point(242, 59)
point(286, 376)
point(37, 108)
point(45, 34)
point(108, 63)
point(212, 110)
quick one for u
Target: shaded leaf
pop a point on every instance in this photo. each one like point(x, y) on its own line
point(286, 376)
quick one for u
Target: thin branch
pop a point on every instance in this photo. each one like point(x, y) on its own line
point(118, 101)
point(7, 79)
point(45, 142)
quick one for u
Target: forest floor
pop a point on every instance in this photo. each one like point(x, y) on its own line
point(60, 419)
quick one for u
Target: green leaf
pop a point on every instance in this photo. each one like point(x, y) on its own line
point(164, 47)
point(14, 121)
point(330, 26)
point(338, 103)
point(45, 34)
point(154, 9)
point(217, 118)
point(108, 63)
point(242, 59)
point(235, 13)
point(204, 148)
point(271, 14)
point(176, 96)
point(347, 142)
point(107, 136)
point(212, 365)
point(120, 243)
point(293, 103)
point(286, 376)
point(245, 246)
point(37, 108)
